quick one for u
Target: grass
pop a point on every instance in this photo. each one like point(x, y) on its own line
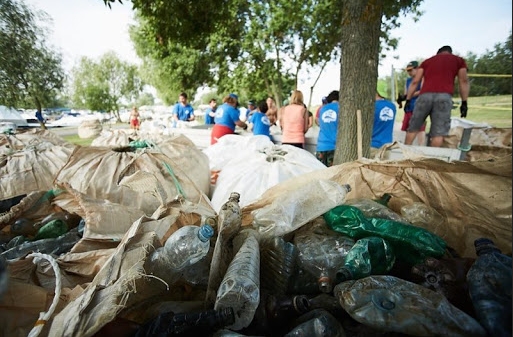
point(75, 139)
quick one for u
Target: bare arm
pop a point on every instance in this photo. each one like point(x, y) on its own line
point(463, 83)
point(280, 115)
point(307, 120)
point(414, 83)
point(241, 124)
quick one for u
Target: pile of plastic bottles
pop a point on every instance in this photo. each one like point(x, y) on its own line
point(344, 274)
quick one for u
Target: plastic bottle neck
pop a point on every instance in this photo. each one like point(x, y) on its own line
point(344, 274)
point(205, 233)
point(485, 246)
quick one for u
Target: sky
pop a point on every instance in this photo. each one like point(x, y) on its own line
point(89, 28)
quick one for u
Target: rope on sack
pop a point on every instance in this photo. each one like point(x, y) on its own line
point(45, 316)
point(175, 180)
point(141, 144)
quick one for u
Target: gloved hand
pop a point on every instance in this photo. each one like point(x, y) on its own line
point(407, 106)
point(463, 109)
point(400, 100)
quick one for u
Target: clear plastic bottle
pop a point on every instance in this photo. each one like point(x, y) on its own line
point(183, 248)
point(368, 256)
point(278, 260)
point(317, 323)
point(391, 304)
point(287, 214)
point(489, 281)
point(240, 288)
point(54, 246)
point(322, 256)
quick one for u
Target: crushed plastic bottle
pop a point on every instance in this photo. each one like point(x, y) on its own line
point(390, 304)
point(446, 276)
point(278, 259)
point(295, 209)
point(240, 288)
point(422, 215)
point(369, 256)
point(322, 256)
point(489, 281)
point(411, 244)
point(54, 246)
point(183, 248)
point(229, 224)
point(375, 209)
point(317, 323)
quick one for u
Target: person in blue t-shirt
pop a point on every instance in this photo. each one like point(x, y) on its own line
point(227, 117)
point(384, 119)
point(210, 113)
point(182, 110)
point(260, 121)
point(328, 124)
point(251, 109)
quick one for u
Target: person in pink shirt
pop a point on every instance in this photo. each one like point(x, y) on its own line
point(293, 119)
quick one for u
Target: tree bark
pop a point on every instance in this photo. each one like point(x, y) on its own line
point(361, 30)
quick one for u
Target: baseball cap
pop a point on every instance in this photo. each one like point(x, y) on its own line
point(324, 100)
point(234, 96)
point(251, 102)
point(412, 65)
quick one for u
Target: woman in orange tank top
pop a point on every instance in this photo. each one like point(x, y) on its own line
point(293, 120)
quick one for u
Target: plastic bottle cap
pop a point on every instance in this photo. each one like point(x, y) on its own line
point(485, 245)
point(205, 232)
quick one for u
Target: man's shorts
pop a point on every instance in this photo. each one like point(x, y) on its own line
point(436, 105)
point(406, 122)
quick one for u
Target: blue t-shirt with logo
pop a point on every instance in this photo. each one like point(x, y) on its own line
point(328, 124)
point(384, 119)
point(184, 112)
point(209, 119)
point(227, 115)
point(261, 123)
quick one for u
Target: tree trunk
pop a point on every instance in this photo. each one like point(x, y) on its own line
point(361, 29)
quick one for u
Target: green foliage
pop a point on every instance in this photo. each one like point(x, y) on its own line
point(145, 99)
point(496, 61)
point(104, 85)
point(30, 72)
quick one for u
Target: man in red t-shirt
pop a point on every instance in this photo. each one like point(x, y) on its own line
point(435, 99)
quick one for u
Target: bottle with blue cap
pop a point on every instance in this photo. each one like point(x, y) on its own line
point(182, 249)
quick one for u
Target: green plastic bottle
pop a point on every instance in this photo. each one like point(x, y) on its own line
point(411, 244)
point(369, 256)
point(51, 229)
